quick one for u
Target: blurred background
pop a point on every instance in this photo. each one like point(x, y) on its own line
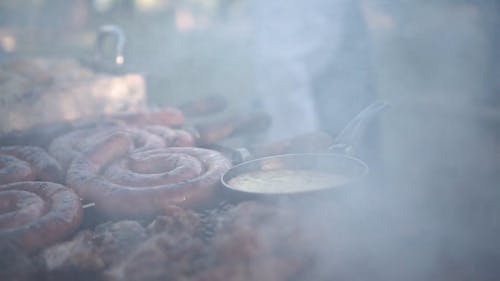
point(435, 154)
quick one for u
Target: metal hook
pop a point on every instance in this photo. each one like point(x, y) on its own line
point(118, 34)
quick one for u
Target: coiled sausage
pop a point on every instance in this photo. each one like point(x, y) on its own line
point(67, 147)
point(37, 214)
point(27, 163)
point(129, 183)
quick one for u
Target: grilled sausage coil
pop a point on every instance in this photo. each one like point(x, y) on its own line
point(67, 147)
point(126, 183)
point(37, 214)
point(27, 163)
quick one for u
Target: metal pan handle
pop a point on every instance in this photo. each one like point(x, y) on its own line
point(350, 135)
point(316, 141)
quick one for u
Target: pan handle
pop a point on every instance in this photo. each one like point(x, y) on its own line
point(313, 142)
point(350, 135)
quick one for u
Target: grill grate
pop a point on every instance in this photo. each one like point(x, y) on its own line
point(211, 218)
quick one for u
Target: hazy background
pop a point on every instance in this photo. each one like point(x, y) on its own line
point(432, 212)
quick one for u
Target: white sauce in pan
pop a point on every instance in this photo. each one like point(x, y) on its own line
point(276, 181)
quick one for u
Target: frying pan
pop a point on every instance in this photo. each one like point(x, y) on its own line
point(336, 160)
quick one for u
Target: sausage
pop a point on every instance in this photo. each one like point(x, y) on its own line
point(312, 142)
point(213, 131)
point(37, 214)
point(167, 116)
point(67, 147)
point(172, 137)
point(127, 183)
point(204, 106)
point(42, 134)
point(27, 163)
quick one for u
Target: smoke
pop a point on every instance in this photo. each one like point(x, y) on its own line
point(427, 210)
